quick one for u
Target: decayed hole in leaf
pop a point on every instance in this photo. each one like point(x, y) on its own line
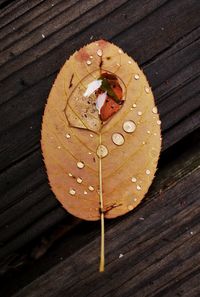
point(81, 108)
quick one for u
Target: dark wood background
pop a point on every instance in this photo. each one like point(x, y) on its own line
point(43, 250)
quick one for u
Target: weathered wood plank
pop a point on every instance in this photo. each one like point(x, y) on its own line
point(12, 200)
point(186, 285)
point(28, 115)
point(15, 10)
point(161, 247)
point(185, 127)
point(163, 36)
point(185, 47)
point(35, 19)
point(7, 5)
point(41, 225)
point(51, 49)
point(31, 43)
point(166, 178)
point(20, 136)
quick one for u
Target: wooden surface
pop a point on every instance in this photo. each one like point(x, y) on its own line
point(43, 250)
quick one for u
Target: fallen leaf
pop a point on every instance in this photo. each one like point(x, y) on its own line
point(100, 167)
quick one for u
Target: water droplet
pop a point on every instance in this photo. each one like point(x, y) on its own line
point(68, 135)
point(89, 153)
point(70, 174)
point(139, 113)
point(134, 199)
point(130, 207)
point(154, 109)
point(79, 180)
point(118, 138)
point(85, 192)
point(133, 179)
point(102, 151)
point(143, 142)
point(72, 192)
point(148, 171)
point(89, 62)
point(120, 51)
point(148, 132)
point(59, 147)
point(138, 187)
point(134, 105)
point(91, 135)
point(120, 256)
point(99, 53)
point(158, 122)
point(129, 126)
point(147, 90)
point(136, 76)
point(129, 62)
point(91, 188)
point(91, 57)
point(80, 165)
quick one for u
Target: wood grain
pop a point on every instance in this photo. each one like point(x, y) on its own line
point(161, 258)
point(26, 123)
point(163, 36)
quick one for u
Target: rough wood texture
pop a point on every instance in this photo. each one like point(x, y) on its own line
point(36, 37)
point(155, 260)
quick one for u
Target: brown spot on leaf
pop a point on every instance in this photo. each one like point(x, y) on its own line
point(70, 83)
point(82, 55)
point(103, 43)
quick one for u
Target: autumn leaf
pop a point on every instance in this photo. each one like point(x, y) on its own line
point(101, 153)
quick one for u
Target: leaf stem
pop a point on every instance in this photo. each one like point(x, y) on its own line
point(102, 251)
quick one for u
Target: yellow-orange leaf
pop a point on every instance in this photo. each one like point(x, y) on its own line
point(127, 170)
point(82, 153)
